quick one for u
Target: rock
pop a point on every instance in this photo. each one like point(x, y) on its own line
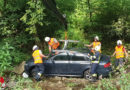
point(63, 78)
point(11, 84)
point(59, 82)
point(20, 68)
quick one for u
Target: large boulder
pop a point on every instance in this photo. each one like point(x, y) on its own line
point(19, 68)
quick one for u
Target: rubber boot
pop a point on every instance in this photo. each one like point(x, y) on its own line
point(93, 79)
point(38, 77)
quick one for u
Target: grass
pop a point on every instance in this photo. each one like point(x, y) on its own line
point(71, 84)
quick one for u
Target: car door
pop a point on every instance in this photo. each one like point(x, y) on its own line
point(61, 64)
point(49, 67)
point(77, 63)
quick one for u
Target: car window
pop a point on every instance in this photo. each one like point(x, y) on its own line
point(61, 57)
point(77, 58)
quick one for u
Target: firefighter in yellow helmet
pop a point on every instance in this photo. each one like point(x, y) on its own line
point(120, 53)
point(53, 43)
point(95, 43)
point(38, 61)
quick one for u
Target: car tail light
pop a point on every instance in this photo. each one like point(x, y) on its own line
point(107, 65)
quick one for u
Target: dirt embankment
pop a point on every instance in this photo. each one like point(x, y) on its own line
point(63, 83)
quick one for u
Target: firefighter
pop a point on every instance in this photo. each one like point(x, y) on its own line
point(95, 63)
point(120, 53)
point(53, 43)
point(94, 44)
point(38, 61)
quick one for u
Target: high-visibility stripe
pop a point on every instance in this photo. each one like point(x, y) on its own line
point(53, 44)
point(95, 61)
point(37, 57)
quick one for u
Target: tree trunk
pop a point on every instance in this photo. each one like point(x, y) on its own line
point(90, 12)
point(5, 2)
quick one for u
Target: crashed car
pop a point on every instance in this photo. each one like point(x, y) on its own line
point(72, 62)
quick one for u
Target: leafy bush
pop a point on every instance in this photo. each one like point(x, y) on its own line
point(10, 55)
point(34, 15)
point(5, 57)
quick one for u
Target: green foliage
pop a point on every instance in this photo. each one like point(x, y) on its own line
point(71, 84)
point(5, 57)
point(76, 20)
point(10, 12)
point(121, 28)
point(33, 16)
point(20, 82)
point(10, 54)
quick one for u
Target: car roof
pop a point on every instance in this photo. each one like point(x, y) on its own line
point(81, 50)
point(77, 51)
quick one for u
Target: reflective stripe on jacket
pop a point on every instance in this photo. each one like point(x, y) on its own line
point(119, 52)
point(53, 44)
point(95, 61)
point(96, 44)
point(37, 57)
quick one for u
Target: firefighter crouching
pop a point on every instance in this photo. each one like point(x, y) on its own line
point(95, 62)
point(38, 61)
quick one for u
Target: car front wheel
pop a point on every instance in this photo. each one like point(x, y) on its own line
point(87, 74)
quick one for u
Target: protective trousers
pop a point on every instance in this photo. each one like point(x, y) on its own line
point(93, 69)
point(39, 68)
point(119, 63)
point(95, 64)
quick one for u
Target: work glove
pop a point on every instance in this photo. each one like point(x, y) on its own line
point(93, 57)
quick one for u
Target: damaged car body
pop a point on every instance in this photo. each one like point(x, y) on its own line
point(72, 63)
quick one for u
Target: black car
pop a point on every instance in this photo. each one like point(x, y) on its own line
point(74, 63)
